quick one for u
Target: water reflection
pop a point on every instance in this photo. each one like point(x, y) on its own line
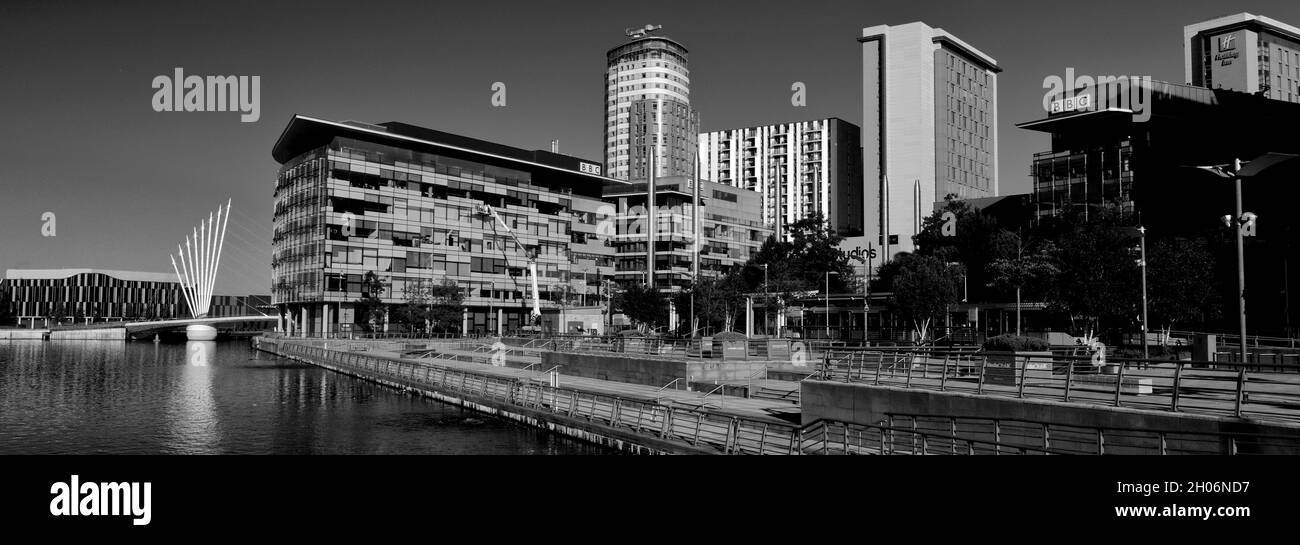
point(192, 416)
point(208, 397)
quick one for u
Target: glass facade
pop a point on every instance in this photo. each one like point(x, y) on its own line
point(93, 295)
point(354, 206)
point(730, 225)
point(1084, 179)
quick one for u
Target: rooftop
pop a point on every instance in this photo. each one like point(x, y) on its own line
point(58, 274)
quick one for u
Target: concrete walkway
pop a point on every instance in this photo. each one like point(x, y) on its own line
point(759, 409)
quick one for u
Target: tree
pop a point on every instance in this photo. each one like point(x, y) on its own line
point(1031, 271)
point(1181, 283)
point(923, 289)
point(978, 242)
point(800, 265)
point(718, 300)
point(646, 307)
point(415, 311)
point(445, 302)
point(370, 306)
point(1098, 277)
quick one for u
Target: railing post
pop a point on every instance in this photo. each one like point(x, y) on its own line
point(908, 384)
point(731, 436)
point(1164, 445)
point(913, 419)
point(943, 380)
point(614, 414)
point(997, 436)
point(1101, 442)
point(1069, 377)
point(1241, 389)
point(1047, 441)
point(879, 363)
point(953, 422)
point(846, 438)
point(984, 359)
point(1119, 384)
point(1024, 372)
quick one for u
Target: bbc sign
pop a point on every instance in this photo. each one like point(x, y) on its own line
point(589, 168)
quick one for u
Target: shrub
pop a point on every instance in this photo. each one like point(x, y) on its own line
point(730, 336)
point(1014, 343)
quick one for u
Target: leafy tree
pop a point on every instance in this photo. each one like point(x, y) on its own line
point(800, 265)
point(646, 307)
point(370, 305)
point(1032, 271)
point(923, 288)
point(718, 301)
point(446, 302)
point(1098, 277)
point(978, 242)
point(1181, 283)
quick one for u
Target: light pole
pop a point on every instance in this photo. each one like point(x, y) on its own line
point(828, 303)
point(1142, 240)
point(767, 304)
point(1237, 170)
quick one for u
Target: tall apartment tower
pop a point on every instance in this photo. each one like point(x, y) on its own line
point(648, 100)
point(1244, 52)
point(797, 168)
point(929, 127)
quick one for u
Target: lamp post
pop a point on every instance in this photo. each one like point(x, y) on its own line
point(767, 305)
point(1142, 240)
point(1237, 170)
point(828, 303)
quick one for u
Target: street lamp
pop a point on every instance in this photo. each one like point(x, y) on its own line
point(1237, 170)
point(1142, 240)
point(767, 303)
point(828, 303)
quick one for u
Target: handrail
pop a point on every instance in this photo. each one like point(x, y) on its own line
point(1216, 438)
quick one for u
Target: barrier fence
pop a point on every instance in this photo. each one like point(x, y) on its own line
point(1222, 388)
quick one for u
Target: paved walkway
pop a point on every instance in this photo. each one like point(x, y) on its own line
point(774, 411)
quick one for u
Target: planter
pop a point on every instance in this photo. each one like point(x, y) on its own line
point(1005, 367)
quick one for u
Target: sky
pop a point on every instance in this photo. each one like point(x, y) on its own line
point(126, 184)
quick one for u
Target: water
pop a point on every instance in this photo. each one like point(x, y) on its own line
point(111, 397)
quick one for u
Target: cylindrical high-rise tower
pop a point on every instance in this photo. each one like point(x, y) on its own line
point(648, 94)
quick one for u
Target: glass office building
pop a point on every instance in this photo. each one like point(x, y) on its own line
point(731, 231)
point(404, 202)
point(51, 296)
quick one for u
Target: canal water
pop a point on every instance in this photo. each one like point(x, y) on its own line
point(112, 397)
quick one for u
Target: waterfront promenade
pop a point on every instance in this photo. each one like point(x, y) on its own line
point(513, 382)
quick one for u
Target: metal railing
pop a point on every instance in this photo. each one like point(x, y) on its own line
point(732, 434)
point(1008, 435)
point(1221, 388)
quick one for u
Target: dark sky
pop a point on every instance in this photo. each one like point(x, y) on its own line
point(127, 183)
